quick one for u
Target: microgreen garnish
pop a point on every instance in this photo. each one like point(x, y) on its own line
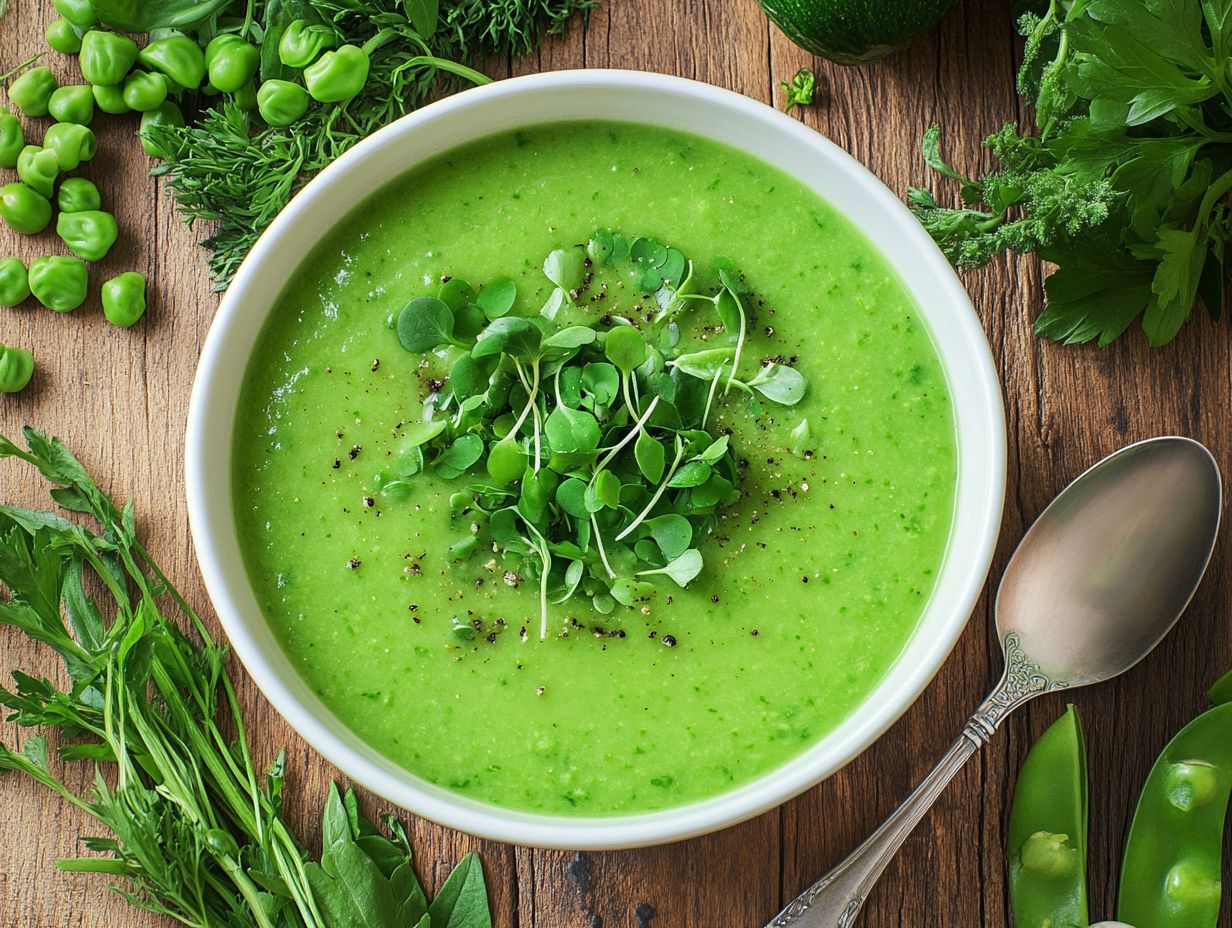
point(601, 472)
point(800, 90)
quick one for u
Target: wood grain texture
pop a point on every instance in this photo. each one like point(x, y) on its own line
point(119, 399)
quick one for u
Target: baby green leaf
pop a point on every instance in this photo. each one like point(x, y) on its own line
point(627, 592)
point(572, 430)
point(571, 497)
point(420, 433)
point(625, 347)
point(425, 323)
point(573, 577)
point(715, 451)
point(779, 383)
point(801, 436)
point(504, 530)
point(509, 335)
point(573, 337)
point(683, 569)
point(672, 533)
point(497, 298)
point(566, 267)
point(459, 456)
point(705, 364)
point(601, 381)
point(693, 474)
point(554, 304)
point(651, 456)
point(456, 293)
point(599, 248)
point(463, 901)
point(467, 377)
point(506, 461)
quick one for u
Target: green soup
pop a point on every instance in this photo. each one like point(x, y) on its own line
point(812, 584)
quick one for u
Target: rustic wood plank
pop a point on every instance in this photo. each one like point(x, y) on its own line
point(119, 398)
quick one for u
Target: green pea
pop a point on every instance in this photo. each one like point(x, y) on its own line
point(167, 114)
point(38, 169)
point(76, 195)
point(1048, 830)
point(282, 102)
point(1170, 874)
point(1192, 785)
point(72, 144)
point(59, 283)
point(176, 57)
point(14, 282)
point(246, 97)
point(1191, 884)
point(145, 91)
point(73, 103)
point(106, 57)
point(339, 75)
point(31, 93)
point(78, 12)
point(110, 99)
point(62, 37)
point(124, 299)
point(88, 234)
point(303, 42)
point(16, 369)
point(23, 209)
point(12, 139)
point(231, 62)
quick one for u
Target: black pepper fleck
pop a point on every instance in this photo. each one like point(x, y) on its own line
point(669, 641)
point(354, 452)
point(353, 563)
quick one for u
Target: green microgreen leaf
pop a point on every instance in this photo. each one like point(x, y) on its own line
point(630, 592)
point(457, 294)
point(425, 323)
point(510, 335)
point(780, 384)
point(801, 439)
point(673, 534)
point(651, 457)
point(465, 451)
point(497, 298)
point(683, 570)
point(704, 364)
point(572, 430)
point(467, 377)
point(601, 381)
point(506, 461)
point(625, 347)
point(571, 497)
point(566, 268)
point(692, 474)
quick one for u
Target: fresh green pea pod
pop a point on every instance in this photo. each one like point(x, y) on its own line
point(231, 62)
point(1170, 877)
point(38, 169)
point(63, 37)
point(16, 369)
point(72, 144)
point(76, 195)
point(72, 103)
point(124, 299)
point(176, 57)
point(88, 234)
point(58, 282)
point(303, 42)
point(168, 114)
point(78, 12)
point(24, 210)
point(1048, 831)
point(14, 282)
point(282, 102)
point(145, 91)
point(12, 139)
point(106, 57)
point(110, 99)
point(31, 93)
point(339, 75)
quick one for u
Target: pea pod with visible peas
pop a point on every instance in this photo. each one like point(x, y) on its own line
point(106, 57)
point(1170, 877)
point(1048, 830)
point(31, 93)
point(12, 139)
point(16, 369)
point(282, 102)
point(231, 62)
point(62, 37)
point(72, 144)
point(24, 210)
point(176, 57)
point(72, 103)
point(14, 282)
point(303, 42)
point(58, 282)
point(145, 91)
point(38, 169)
point(124, 299)
point(88, 234)
point(339, 75)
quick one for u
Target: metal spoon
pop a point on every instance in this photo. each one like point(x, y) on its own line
point(1097, 582)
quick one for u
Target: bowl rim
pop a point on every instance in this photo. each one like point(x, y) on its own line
point(767, 791)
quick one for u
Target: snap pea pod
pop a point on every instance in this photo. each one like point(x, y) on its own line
point(1170, 877)
point(1048, 831)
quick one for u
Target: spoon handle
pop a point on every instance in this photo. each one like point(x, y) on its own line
point(835, 900)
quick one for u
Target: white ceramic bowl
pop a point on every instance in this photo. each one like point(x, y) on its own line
point(636, 97)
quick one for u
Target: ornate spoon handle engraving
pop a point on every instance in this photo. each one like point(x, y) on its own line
point(835, 900)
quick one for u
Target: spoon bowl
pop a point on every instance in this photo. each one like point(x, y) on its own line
point(1110, 565)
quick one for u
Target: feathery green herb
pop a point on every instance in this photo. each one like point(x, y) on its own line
point(195, 831)
point(1124, 187)
point(603, 465)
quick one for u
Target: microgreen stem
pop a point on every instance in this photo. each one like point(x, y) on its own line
point(632, 434)
point(714, 386)
point(739, 340)
point(541, 545)
point(532, 390)
point(625, 378)
point(654, 500)
point(594, 525)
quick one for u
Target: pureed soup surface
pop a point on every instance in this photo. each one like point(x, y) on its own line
point(812, 584)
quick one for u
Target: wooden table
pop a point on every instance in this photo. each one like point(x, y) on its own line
point(119, 399)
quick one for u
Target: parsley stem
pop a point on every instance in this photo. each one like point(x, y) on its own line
point(654, 500)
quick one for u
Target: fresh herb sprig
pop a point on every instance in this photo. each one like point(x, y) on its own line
point(799, 91)
point(1124, 187)
point(226, 167)
point(195, 831)
point(603, 467)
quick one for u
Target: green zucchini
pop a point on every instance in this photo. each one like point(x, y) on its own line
point(855, 31)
